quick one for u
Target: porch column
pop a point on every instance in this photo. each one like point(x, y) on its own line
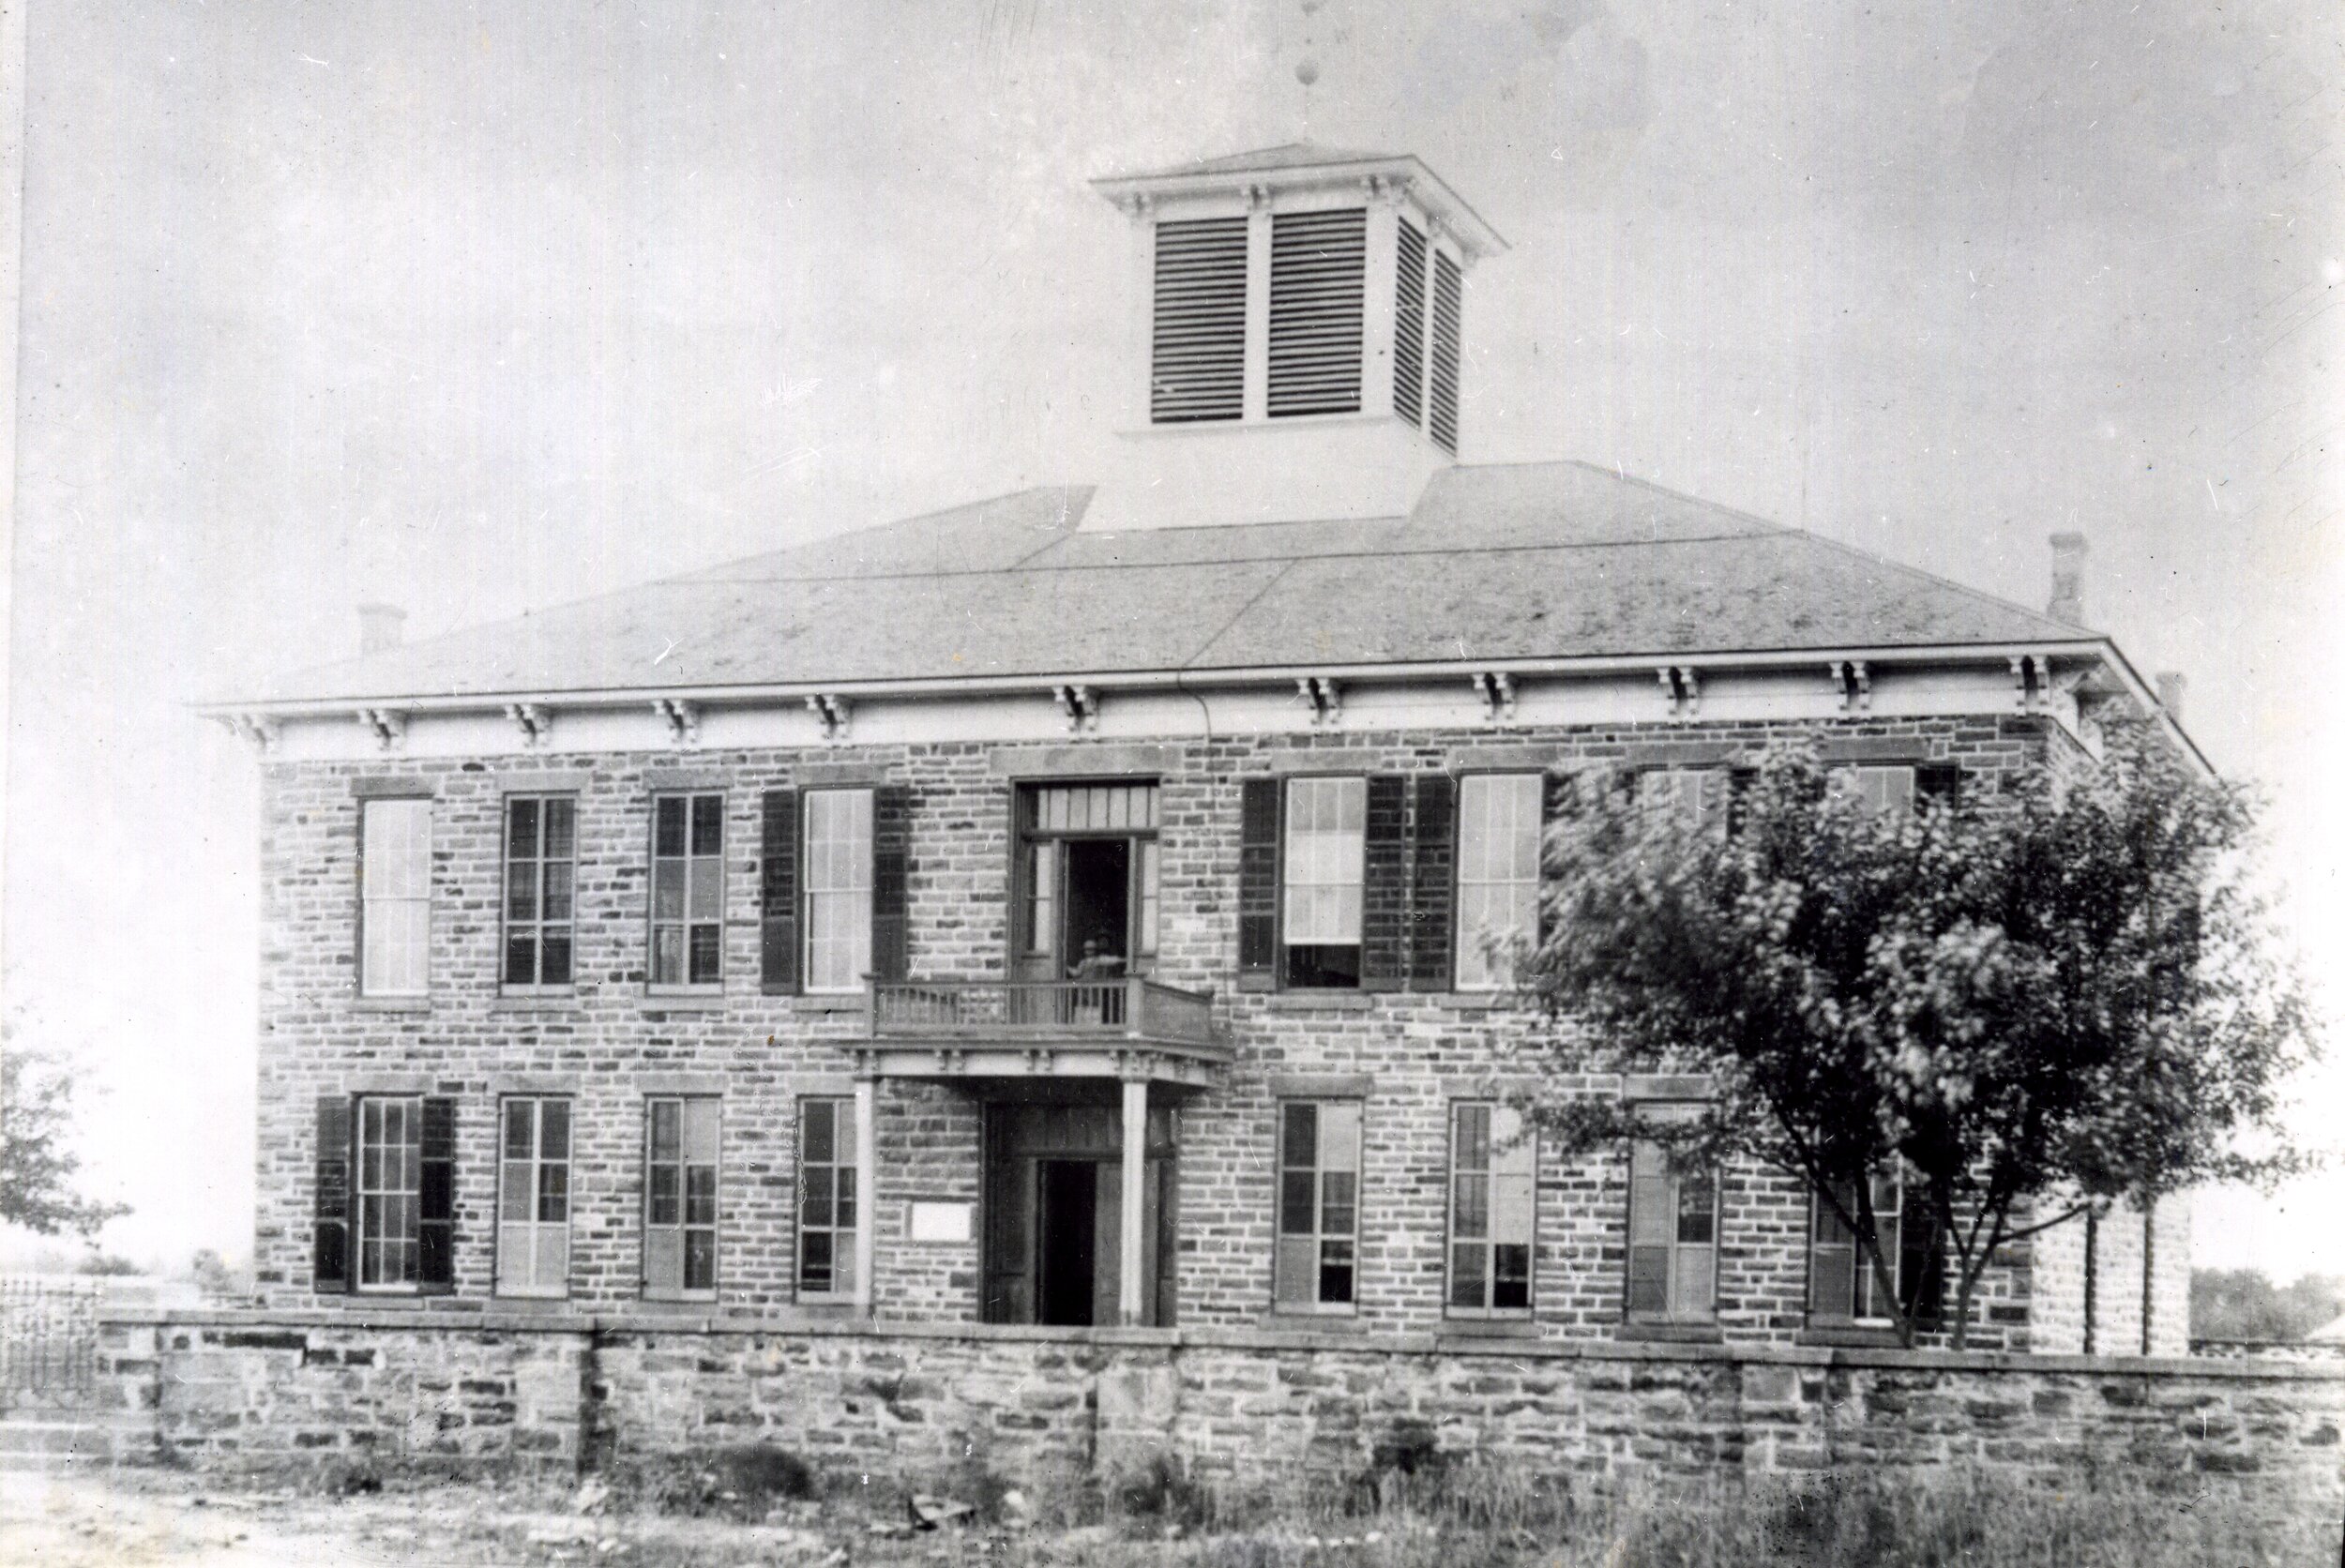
point(1135, 1210)
point(866, 1182)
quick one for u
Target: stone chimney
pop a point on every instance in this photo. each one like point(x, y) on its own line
point(2171, 688)
point(379, 627)
point(2067, 578)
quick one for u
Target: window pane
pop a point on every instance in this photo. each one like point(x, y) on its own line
point(519, 1129)
point(705, 968)
point(520, 837)
point(553, 1192)
point(1302, 1134)
point(560, 828)
point(667, 890)
point(708, 824)
point(1467, 1286)
point(557, 905)
point(667, 1124)
point(556, 949)
point(1297, 1198)
point(668, 826)
point(818, 1149)
point(1510, 1277)
point(521, 890)
point(700, 1259)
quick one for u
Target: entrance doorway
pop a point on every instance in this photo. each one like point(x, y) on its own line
point(1086, 881)
point(1054, 1211)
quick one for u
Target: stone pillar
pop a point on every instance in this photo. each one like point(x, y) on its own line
point(1135, 1210)
point(866, 1187)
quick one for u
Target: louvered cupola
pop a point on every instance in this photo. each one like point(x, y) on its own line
point(1297, 342)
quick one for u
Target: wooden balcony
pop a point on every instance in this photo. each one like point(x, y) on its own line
point(1128, 1027)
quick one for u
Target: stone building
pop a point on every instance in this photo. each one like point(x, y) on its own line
point(1068, 910)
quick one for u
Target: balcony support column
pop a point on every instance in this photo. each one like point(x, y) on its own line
point(865, 1183)
point(1135, 1210)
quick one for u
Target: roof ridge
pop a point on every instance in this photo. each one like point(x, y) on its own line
point(1623, 477)
point(1946, 583)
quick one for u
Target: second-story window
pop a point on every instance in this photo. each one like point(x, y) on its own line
point(1325, 875)
point(540, 862)
point(688, 890)
point(1498, 873)
point(395, 882)
point(837, 881)
point(1086, 879)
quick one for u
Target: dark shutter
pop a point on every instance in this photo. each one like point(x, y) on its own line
point(435, 1201)
point(1258, 886)
point(330, 1265)
point(1938, 783)
point(1433, 904)
point(777, 894)
point(1385, 893)
point(891, 878)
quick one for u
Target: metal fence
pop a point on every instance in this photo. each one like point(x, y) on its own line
point(48, 1340)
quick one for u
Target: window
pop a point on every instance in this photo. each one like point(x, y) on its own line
point(1883, 789)
point(540, 855)
point(1319, 1221)
point(533, 1198)
point(1087, 873)
point(1842, 1285)
point(837, 889)
point(396, 896)
point(1498, 872)
point(826, 1197)
point(688, 890)
point(1492, 1171)
point(390, 1192)
point(680, 1199)
point(1672, 1238)
point(1326, 827)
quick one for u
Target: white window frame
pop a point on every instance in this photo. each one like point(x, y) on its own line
point(1864, 1308)
point(534, 1196)
point(395, 897)
point(540, 872)
point(1322, 894)
point(699, 1121)
point(1499, 819)
point(387, 1171)
point(1332, 1238)
point(704, 887)
point(836, 881)
point(1657, 1218)
point(828, 1205)
point(1493, 1205)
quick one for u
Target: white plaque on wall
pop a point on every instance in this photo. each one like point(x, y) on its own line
point(935, 1221)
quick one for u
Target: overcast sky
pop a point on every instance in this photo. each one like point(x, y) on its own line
point(474, 307)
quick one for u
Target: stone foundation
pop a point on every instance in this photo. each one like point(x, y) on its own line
point(555, 1392)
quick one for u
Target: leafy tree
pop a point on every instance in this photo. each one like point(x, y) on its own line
point(2036, 1004)
point(37, 1165)
point(2244, 1303)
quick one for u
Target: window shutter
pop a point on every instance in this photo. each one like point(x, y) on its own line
point(1652, 1226)
point(1921, 1265)
point(329, 1266)
point(1551, 790)
point(1385, 894)
point(777, 893)
point(1407, 327)
point(891, 875)
point(1318, 274)
point(1197, 357)
point(1448, 323)
point(435, 1201)
point(1434, 907)
point(1258, 884)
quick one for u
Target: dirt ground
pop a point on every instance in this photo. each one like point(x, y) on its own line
point(136, 1518)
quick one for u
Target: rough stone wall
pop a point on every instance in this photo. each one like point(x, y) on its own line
point(293, 1389)
point(607, 1043)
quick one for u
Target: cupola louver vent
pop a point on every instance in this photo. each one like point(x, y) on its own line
point(1407, 327)
point(1318, 275)
point(1197, 363)
point(1448, 320)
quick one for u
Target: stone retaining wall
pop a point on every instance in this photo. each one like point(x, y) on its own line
point(291, 1389)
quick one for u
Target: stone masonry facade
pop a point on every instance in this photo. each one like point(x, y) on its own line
point(606, 1043)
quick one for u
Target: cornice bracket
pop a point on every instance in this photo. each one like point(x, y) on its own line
point(1497, 690)
point(259, 730)
point(1078, 705)
point(388, 725)
point(683, 720)
point(834, 713)
point(1681, 689)
point(534, 720)
point(1852, 680)
point(1324, 698)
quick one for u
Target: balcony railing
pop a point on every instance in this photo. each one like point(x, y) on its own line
point(1039, 1011)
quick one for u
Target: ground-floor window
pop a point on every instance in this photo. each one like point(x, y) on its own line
point(1842, 1284)
point(390, 1191)
point(680, 1197)
point(533, 1198)
point(1493, 1178)
point(827, 1206)
point(1672, 1238)
point(1319, 1194)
